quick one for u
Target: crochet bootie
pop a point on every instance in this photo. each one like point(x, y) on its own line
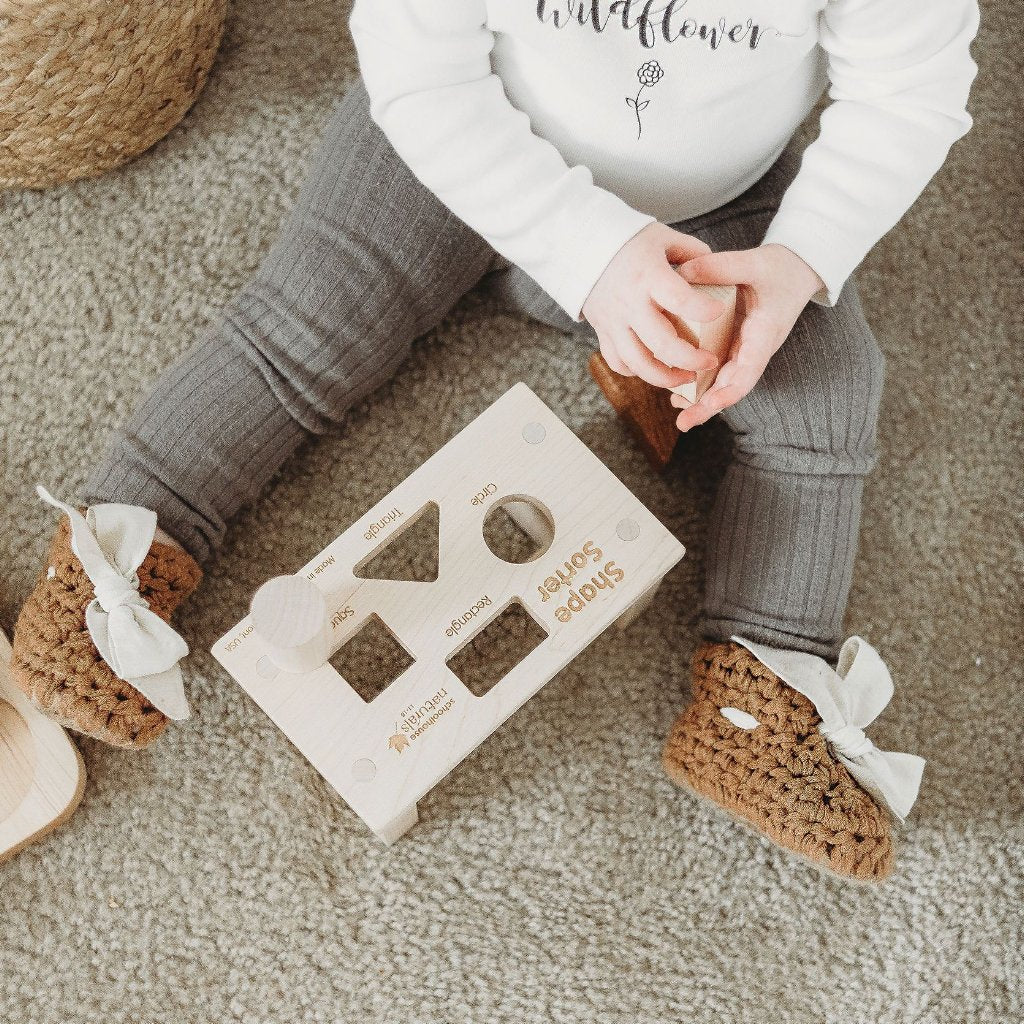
point(56, 661)
point(758, 748)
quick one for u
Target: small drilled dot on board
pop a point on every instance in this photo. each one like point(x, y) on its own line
point(364, 770)
point(266, 668)
point(534, 433)
point(627, 529)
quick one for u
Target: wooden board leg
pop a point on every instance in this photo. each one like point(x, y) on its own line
point(398, 826)
point(638, 607)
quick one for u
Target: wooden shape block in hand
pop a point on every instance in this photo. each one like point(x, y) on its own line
point(645, 410)
point(715, 337)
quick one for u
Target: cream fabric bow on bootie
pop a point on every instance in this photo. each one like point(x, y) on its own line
point(111, 541)
point(848, 698)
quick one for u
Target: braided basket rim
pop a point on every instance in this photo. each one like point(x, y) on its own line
point(85, 85)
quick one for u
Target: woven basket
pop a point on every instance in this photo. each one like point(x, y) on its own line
point(87, 84)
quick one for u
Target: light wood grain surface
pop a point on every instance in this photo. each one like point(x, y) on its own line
point(605, 554)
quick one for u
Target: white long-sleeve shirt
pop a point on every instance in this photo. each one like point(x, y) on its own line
point(557, 129)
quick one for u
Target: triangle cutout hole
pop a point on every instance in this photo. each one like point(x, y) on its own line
point(411, 553)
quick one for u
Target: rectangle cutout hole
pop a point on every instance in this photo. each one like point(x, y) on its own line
point(493, 651)
point(371, 659)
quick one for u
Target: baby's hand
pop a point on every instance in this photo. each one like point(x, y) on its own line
point(775, 285)
point(627, 309)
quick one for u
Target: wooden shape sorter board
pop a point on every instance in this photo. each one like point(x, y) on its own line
point(603, 555)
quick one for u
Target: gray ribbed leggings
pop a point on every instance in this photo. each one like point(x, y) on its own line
point(369, 260)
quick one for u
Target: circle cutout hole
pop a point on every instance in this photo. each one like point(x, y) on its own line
point(518, 529)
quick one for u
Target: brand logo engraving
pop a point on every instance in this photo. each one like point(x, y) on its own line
point(418, 718)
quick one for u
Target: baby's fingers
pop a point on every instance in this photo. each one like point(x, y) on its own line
point(734, 382)
point(660, 337)
point(671, 292)
point(637, 357)
point(614, 360)
point(710, 405)
point(698, 414)
point(729, 267)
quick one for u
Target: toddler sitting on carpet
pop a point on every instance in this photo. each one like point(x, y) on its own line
point(594, 159)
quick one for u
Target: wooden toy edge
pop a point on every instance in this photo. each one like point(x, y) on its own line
point(55, 754)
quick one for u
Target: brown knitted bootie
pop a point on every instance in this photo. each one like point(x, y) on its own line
point(56, 663)
point(753, 745)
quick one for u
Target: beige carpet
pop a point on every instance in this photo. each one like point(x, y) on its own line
point(556, 876)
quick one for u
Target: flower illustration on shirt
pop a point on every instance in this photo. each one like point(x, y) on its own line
point(649, 73)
